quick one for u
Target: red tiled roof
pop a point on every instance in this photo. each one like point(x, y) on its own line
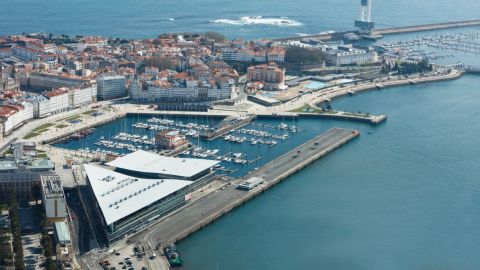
point(56, 92)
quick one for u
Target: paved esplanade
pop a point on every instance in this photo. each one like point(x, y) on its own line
point(200, 213)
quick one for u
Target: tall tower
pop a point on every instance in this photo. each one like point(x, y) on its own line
point(365, 23)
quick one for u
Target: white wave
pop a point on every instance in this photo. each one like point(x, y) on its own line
point(255, 20)
point(302, 34)
point(171, 19)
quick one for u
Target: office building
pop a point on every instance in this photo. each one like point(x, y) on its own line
point(111, 87)
point(23, 171)
point(53, 198)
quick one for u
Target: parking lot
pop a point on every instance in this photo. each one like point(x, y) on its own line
point(129, 259)
point(32, 251)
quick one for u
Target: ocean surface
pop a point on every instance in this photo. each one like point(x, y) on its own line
point(406, 196)
point(244, 19)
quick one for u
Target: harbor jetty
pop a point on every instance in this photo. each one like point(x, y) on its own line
point(426, 27)
point(226, 125)
point(200, 213)
point(347, 116)
point(391, 30)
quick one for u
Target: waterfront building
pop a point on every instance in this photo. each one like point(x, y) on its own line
point(142, 188)
point(58, 101)
point(248, 52)
point(14, 116)
point(62, 99)
point(170, 140)
point(349, 55)
point(264, 100)
point(272, 76)
point(111, 87)
point(53, 198)
point(83, 96)
point(183, 90)
point(38, 45)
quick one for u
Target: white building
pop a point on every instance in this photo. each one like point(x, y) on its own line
point(144, 187)
point(345, 55)
point(111, 87)
point(59, 101)
point(14, 116)
point(83, 96)
point(53, 198)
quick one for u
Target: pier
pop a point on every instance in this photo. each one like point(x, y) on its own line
point(226, 125)
point(206, 210)
point(348, 116)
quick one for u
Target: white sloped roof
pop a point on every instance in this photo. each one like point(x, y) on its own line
point(120, 195)
point(148, 162)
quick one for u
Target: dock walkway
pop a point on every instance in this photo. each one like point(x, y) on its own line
point(206, 210)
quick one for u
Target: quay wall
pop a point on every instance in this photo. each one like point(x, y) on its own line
point(372, 120)
point(81, 128)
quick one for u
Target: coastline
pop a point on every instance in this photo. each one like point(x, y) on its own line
point(453, 75)
point(312, 99)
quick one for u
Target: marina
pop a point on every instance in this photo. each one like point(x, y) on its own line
point(242, 147)
point(403, 196)
point(435, 46)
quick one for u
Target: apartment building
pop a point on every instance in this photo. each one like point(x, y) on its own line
point(272, 76)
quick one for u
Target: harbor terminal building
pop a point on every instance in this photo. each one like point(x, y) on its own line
point(133, 191)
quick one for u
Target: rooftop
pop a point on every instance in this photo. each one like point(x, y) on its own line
point(120, 195)
point(62, 232)
point(52, 186)
point(147, 162)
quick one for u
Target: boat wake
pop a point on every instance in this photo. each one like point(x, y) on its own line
point(259, 20)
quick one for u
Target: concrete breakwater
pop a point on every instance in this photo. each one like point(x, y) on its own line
point(363, 118)
point(391, 30)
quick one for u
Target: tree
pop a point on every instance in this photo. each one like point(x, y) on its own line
point(299, 55)
point(215, 36)
point(160, 62)
point(16, 230)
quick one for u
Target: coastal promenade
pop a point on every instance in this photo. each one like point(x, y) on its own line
point(328, 94)
point(206, 210)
